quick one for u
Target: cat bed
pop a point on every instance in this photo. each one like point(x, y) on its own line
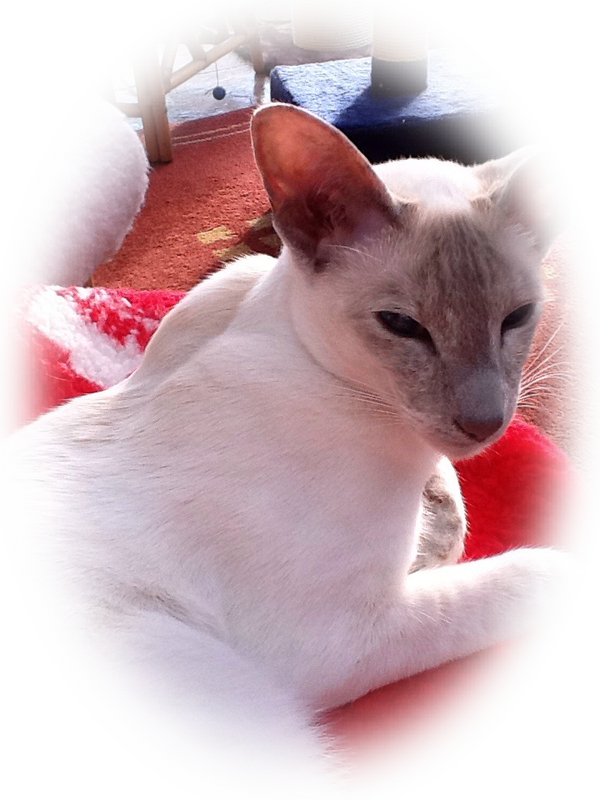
point(457, 117)
point(79, 340)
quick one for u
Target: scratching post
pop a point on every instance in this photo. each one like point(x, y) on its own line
point(404, 101)
point(325, 27)
point(400, 52)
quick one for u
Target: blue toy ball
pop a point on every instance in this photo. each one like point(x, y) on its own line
point(219, 92)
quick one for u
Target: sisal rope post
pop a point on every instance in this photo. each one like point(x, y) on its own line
point(336, 26)
point(400, 52)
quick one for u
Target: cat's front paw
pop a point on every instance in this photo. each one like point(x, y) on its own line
point(539, 582)
point(443, 525)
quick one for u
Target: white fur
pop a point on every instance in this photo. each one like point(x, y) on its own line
point(85, 202)
point(234, 522)
point(434, 183)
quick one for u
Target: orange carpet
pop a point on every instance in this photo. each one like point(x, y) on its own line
point(206, 207)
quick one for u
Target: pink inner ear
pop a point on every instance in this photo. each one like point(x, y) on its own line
point(299, 155)
point(321, 188)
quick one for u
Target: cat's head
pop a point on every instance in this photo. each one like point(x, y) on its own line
point(417, 281)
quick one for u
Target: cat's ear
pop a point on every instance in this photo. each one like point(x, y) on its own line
point(518, 187)
point(323, 191)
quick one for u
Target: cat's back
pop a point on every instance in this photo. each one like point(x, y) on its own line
point(67, 438)
point(83, 470)
point(205, 391)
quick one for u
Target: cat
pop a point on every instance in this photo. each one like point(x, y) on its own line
point(264, 517)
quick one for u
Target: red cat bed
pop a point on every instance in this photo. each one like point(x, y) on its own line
point(84, 340)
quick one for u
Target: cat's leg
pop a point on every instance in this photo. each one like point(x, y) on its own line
point(443, 524)
point(206, 712)
point(447, 613)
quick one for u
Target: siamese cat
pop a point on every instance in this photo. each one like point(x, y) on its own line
point(264, 517)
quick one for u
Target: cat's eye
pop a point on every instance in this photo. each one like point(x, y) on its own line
point(404, 326)
point(519, 317)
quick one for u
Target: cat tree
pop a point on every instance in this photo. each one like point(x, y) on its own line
point(400, 52)
point(397, 33)
point(407, 100)
point(322, 27)
point(157, 72)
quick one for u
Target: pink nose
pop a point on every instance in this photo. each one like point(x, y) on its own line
point(480, 399)
point(479, 429)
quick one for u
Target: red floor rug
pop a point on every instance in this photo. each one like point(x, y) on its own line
point(209, 205)
point(83, 340)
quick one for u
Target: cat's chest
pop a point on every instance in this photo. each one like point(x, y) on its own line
point(291, 494)
point(271, 453)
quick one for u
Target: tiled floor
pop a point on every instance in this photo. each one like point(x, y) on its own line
point(194, 98)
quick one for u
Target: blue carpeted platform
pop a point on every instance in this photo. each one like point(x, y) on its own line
point(456, 117)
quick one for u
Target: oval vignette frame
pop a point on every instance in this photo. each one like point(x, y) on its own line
point(545, 715)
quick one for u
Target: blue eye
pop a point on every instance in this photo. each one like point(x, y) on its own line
point(519, 317)
point(404, 326)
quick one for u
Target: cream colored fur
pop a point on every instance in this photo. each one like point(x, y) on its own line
point(240, 516)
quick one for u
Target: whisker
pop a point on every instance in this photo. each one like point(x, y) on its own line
point(551, 338)
point(536, 406)
point(538, 360)
point(380, 407)
point(537, 367)
point(546, 371)
point(544, 379)
point(542, 372)
point(349, 249)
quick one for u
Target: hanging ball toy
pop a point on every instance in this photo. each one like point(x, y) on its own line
point(218, 92)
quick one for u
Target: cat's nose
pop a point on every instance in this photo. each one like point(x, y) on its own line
point(480, 402)
point(480, 428)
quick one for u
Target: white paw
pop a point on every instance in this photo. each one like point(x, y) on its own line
point(539, 583)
